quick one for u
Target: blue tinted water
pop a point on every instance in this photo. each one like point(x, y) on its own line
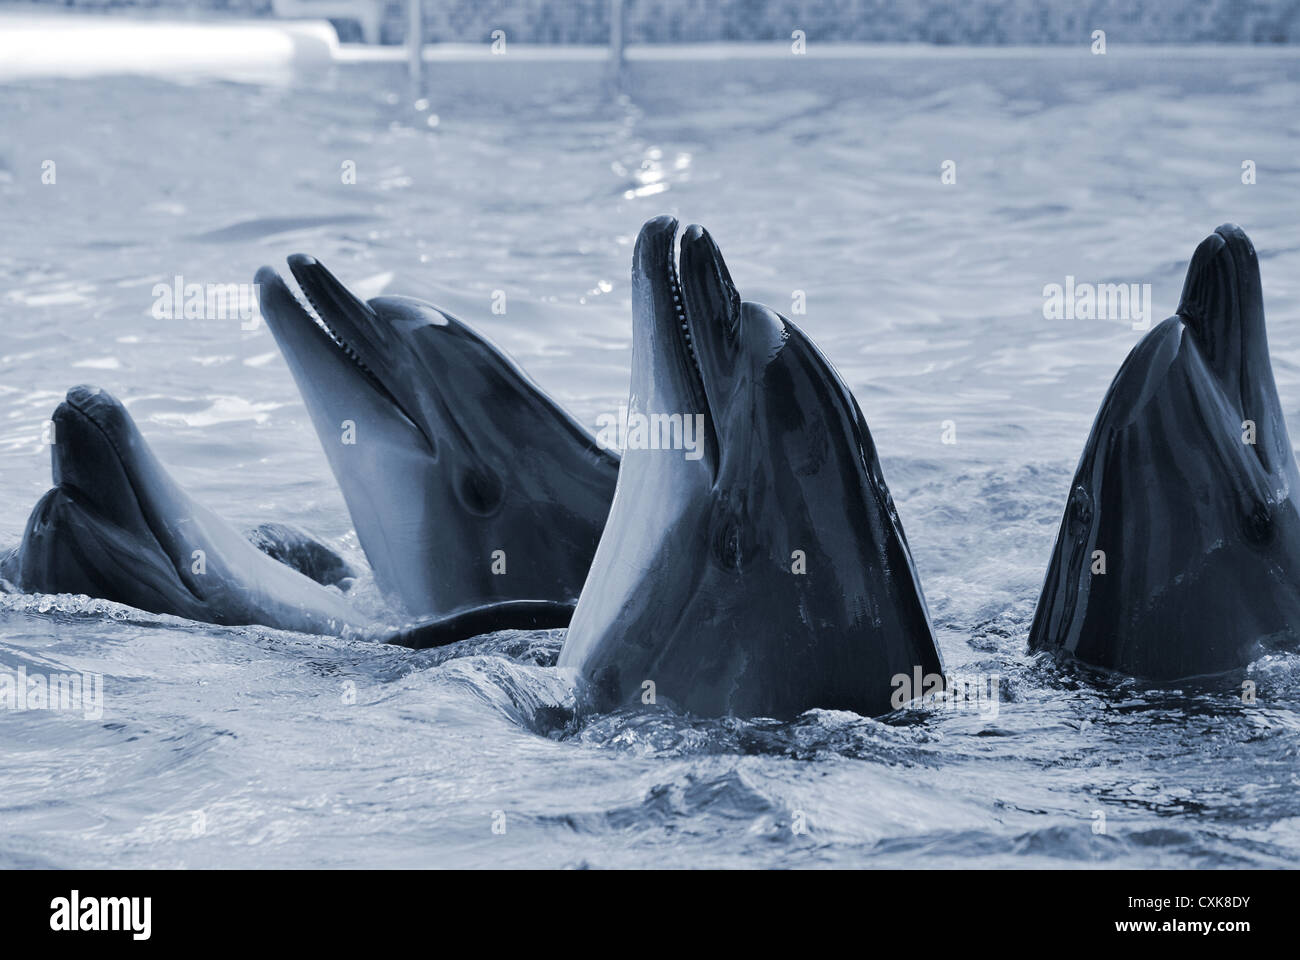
point(239, 746)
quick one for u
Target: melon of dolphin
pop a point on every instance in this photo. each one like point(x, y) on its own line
point(771, 575)
point(466, 483)
point(1179, 551)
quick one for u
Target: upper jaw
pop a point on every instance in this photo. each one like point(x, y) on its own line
point(667, 376)
point(712, 310)
point(100, 430)
point(1222, 293)
point(351, 325)
point(352, 322)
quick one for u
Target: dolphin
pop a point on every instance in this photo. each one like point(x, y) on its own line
point(771, 575)
point(467, 485)
point(117, 526)
point(1179, 551)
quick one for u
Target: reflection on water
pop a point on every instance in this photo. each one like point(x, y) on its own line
point(821, 187)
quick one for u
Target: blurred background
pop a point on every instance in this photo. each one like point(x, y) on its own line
point(698, 21)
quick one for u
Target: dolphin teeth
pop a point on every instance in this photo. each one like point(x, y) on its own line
point(312, 309)
point(675, 286)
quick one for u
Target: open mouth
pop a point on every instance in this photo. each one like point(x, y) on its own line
point(326, 299)
point(314, 310)
point(684, 340)
point(306, 272)
point(684, 336)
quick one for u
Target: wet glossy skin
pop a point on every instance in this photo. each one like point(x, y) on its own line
point(458, 454)
point(1200, 530)
point(116, 526)
point(693, 586)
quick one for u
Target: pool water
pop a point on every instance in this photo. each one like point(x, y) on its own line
point(821, 181)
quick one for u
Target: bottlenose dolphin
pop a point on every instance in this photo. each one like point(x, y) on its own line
point(771, 575)
point(117, 526)
point(466, 483)
point(1179, 551)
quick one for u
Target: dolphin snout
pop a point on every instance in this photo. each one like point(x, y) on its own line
point(712, 301)
point(96, 405)
point(1222, 300)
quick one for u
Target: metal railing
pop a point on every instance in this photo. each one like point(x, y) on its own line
point(415, 40)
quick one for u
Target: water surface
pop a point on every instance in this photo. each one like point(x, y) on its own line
point(243, 746)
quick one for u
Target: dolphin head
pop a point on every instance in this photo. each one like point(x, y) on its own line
point(114, 525)
point(1223, 301)
point(772, 406)
point(1188, 493)
point(457, 454)
point(117, 526)
point(1222, 304)
point(769, 574)
point(100, 459)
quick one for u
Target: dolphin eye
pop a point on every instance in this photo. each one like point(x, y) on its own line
point(727, 546)
point(1080, 510)
point(732, 546)
point(1258, 523)
point(480, 492)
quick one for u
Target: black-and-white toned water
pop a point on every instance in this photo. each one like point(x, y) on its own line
point(250, 747)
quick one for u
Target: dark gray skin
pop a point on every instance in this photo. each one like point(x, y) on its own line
point(297, 548)
point(1200, 530)
point(458, 453)
point(118, 527)
point(692, 586)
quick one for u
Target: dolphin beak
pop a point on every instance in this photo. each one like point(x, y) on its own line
point(663, 360)
point(351, 320)
point(1222, 295)
point(1249, 288)
point(654, 272)
point(712, 302)
point(1207, 291)
point(296, 331)
point(77, 432)
point(300, 337)
point(1223, 305)
point(279, 306)
point(99, 452)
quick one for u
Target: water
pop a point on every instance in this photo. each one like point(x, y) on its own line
point(239, 746)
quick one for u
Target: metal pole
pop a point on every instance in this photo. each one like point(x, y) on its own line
point(415, 45)
point(616, 39)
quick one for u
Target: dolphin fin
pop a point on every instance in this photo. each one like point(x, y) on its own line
point(299, 550)
point(508, 615)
